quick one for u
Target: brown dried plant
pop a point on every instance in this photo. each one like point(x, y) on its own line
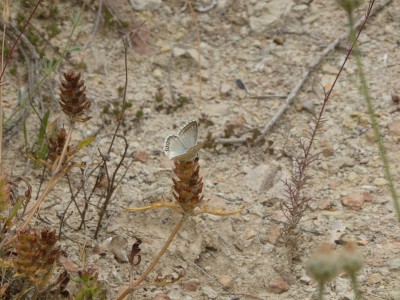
point(297, 202)
point(11, 204)
point(74, 104)
point(106, 175)
point(36, 254)
point(56, 144)
point(187, 187)
point(31, 263)
point(73, 100)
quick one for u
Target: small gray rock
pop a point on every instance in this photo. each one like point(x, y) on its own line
point(145, 4)
point(262, 177)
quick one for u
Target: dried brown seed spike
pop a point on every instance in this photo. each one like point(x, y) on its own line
point(188, 186)
point(56, 144)
point(37, 254)
point(73, 99)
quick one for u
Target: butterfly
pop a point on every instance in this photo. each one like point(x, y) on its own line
point(183, 146)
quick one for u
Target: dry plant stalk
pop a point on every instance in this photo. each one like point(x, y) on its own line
point(188, 187)
point(74, 104)
point(296, 203)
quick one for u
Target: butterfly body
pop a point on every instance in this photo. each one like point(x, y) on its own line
point(183, 146)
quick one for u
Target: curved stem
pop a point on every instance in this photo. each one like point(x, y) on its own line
point(135, 284)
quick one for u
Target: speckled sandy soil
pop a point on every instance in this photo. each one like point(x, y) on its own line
point(267, 45)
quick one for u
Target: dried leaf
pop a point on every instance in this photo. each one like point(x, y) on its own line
point(135, 252)
point(85, 142)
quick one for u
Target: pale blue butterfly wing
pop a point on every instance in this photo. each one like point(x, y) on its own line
point(174, 146)
point(183, 146)
point(189, 134)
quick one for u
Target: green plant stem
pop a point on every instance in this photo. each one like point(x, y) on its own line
point(354, 283)
point(136, 283)
point(321, 290)
point(374, 122)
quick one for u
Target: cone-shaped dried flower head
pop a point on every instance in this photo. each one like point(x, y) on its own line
point(37, 254)
point(323, 264)
point(73, 99)
point(188, 185)
point(350, 259)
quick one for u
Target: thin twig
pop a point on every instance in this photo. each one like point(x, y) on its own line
point(296, 204)
point(111, 184)
point(111, 187)
point(73, 199)
point(125, 91)
point(16, 42)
